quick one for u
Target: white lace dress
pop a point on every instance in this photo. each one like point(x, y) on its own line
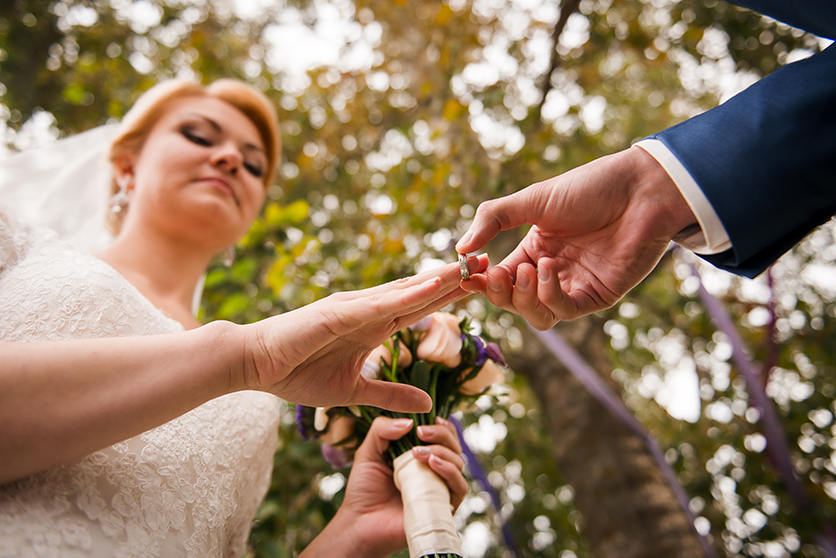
point(188, 488)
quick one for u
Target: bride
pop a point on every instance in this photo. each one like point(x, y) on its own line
point(127, 428)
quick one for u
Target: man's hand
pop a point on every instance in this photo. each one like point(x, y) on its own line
point(598, 231)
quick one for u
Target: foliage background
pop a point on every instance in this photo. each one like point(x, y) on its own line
point(397, 119)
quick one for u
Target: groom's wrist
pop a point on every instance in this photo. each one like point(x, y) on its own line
point(654, 188)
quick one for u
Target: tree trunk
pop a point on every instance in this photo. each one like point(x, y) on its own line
point(628, 508)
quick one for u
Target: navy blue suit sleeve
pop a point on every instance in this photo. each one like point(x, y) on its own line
point(816, 16)
point(766, 158)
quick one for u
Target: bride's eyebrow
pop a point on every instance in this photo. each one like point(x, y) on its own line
point(217, 127)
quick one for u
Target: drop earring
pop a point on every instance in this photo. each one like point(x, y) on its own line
point(229, 256)
point(119, 200)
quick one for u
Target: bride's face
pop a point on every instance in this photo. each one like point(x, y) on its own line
point(199, 172)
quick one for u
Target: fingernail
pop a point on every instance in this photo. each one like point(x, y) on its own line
point(441, 421)
point(403, 423)
point(522, 282)
point(433, 280)
point(543, 274)
point(424, 432)
point(421, 450)
point(463, 240)
point(494, 284)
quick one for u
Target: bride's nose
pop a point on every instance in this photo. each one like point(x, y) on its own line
point(227, 157)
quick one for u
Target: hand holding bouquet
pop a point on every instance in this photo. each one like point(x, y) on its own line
point(441, 357)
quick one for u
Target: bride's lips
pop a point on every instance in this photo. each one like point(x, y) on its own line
point(222, 185)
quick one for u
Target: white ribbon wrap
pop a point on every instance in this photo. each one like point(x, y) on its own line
point(428, 514)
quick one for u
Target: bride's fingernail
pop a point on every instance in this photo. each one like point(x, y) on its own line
point(421, 450)
point(441, 421)
point(403, 423)
point(425, 432)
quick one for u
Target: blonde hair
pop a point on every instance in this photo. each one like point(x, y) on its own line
point(152, 104)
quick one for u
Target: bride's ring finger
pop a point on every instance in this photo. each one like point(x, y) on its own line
point(423, 453)
point(440, 434)
point(452, 476)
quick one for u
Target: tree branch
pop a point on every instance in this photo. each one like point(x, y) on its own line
point(568, 7)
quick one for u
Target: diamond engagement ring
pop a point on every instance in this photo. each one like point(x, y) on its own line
point(463, 267)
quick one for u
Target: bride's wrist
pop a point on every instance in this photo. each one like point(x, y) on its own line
point(227, 341)
point(341, 539)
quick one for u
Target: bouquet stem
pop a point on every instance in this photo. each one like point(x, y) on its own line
point(428, 515)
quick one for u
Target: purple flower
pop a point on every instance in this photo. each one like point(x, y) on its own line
point(305, 420)
point(339, 458)
point(481, 351)
point(479, 345)
point(495, 354)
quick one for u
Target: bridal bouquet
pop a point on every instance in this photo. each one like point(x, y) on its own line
point(441, 357)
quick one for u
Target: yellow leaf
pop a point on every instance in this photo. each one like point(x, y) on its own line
point(277, 216)
point(276, 277)
point(452, 109)
point(296, 212)
point(393, 246)
point(444, 15)
point(273, 215)
point(255, 235)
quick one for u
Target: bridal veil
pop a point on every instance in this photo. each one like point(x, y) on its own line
point(65, 186)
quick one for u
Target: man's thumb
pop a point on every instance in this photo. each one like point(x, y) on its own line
point(491, 217)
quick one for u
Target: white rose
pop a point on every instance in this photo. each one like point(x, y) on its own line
point(443, 342)
point(489, 374)
point(339, 429)
point(320, 421)
point(383, 352)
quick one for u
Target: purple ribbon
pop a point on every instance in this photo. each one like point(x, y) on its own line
point(593, 383)
point(480, 476)
point(777, 448)
point(776, 444)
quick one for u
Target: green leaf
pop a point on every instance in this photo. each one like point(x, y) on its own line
point(235, 304)
point(420, 375)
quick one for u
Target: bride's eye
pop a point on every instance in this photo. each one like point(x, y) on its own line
point(195, 137)
point(254, 169)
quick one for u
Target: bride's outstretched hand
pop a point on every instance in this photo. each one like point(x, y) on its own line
point(313, 355)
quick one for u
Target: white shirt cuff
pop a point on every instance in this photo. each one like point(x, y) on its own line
point(712, 238)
